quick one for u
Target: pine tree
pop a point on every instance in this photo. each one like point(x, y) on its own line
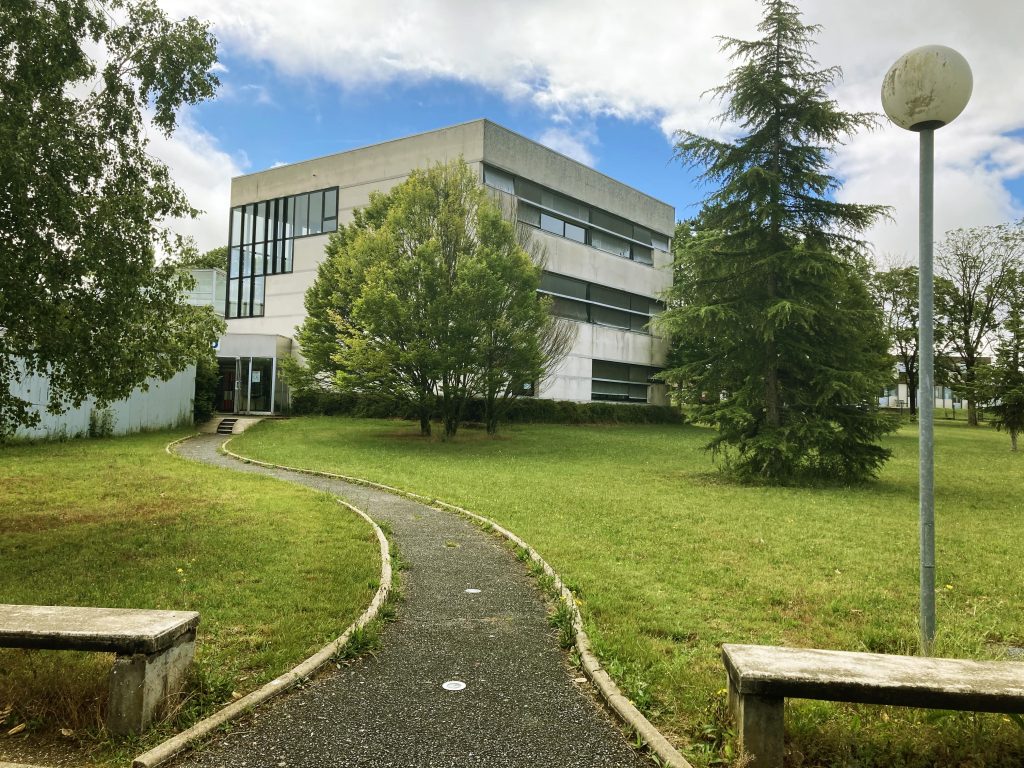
point(779, 344)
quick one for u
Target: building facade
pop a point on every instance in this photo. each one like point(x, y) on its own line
point(607, 251)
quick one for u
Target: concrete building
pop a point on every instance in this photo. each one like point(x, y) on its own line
point(607, 256)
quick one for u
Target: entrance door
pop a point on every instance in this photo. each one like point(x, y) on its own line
point(228, 386)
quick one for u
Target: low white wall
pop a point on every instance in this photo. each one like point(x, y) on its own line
point(164, 404)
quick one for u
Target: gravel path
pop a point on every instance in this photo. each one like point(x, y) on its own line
point(520, 706)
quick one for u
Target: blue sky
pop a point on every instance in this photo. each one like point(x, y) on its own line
point(607, 86)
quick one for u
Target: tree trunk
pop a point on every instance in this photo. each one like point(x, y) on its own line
point(972, 413)
point(424, 425)
point(912, 393)
point(1013, 440)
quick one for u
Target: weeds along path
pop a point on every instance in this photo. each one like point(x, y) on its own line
point(520, 705)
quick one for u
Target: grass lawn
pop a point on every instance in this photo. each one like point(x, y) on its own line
point(276, 571)
point(670, 561)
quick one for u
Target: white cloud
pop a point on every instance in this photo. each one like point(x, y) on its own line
point(653, 59)
point(574, 145)
point(203, 170)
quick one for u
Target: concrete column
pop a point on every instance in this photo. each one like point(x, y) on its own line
point(759, 723)
point(141, 685)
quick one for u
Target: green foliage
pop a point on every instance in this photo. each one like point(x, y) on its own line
point(207, 386)
point(428, 299)
point(894, 292)
point(521, 411)
point(101, 422)
point(215, 258)
point(777, 342)
point(975, 271)
point(1007, 375)
point(83, 300)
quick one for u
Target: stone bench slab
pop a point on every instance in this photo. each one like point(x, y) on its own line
point(875, 678)
point(124, 631)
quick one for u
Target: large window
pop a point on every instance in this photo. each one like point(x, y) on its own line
point(560, 215)
point(262, 242)
point(620, 381)
point(598, 304)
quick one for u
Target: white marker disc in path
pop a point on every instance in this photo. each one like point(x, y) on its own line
point(472, 591)
point(454, 685)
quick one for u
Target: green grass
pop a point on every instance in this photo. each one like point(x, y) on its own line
point(670, 560)
point(276, 571)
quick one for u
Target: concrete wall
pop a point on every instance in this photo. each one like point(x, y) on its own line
point(164, 404)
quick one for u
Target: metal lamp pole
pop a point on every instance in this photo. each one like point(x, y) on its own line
point(926, 89)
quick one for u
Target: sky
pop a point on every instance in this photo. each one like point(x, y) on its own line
point(606, 82)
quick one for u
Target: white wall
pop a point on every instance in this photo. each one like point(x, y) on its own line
point(164, 404)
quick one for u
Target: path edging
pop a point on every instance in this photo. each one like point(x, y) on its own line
point(656, 742)
point(164, 751)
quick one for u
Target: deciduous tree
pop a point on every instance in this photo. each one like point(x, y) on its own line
point(895, 293)
point(782, 349)
point(974, 273)
point(83, 299)
point(1007, 375)
point(429, 296)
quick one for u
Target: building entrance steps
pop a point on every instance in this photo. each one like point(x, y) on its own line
point(469, 614)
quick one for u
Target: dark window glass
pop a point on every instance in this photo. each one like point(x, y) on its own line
point(612, 223)
point(235, 263)
point(642, 234)
point(605, 369)
point(257, 300)
point(579, 234)
point(638, 323)
point(289, 222)
point(286, 263)
point(528, 214)
point(301, 215)
point(610, 296)
point(261, 222)
point(499, 180)
point(609, 244)
point(564, 205)
point(331, 204)
point(574, 310)
point(616, 318)
point(551, 224)
point(641, 303)
point(316, 212)
point(529, 191)
point(566, 286)
point(638, 392)
point(659, 241)
point(642, 254)
point(330, 225)
point(236, 226)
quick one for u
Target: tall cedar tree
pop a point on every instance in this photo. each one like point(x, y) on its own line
point(1008, 372)
point(84, 206)
point(779, 344)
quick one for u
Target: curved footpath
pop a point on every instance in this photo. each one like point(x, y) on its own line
point(520, 705)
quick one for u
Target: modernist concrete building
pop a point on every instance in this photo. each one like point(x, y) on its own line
point(607, 250)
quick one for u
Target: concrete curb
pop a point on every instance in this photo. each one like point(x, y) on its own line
point(168, 749)
point(656, 742)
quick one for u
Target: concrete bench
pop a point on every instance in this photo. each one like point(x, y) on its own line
point(761, 677)
point(154, 649)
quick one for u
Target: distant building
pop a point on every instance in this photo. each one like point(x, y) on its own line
point(607, 249)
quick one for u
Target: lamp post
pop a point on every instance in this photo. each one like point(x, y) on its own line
point(924, 90)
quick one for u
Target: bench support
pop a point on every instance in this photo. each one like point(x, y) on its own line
point(759, 723)
point(141, 684)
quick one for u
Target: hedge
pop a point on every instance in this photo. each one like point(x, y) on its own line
point(522, 410)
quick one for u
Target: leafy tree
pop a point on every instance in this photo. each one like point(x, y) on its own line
point(215, 258)
point(1007, 375)
point(974, 274)
point(895, 293)
point(429, 297)
point(83, 300)
point(780, 346)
